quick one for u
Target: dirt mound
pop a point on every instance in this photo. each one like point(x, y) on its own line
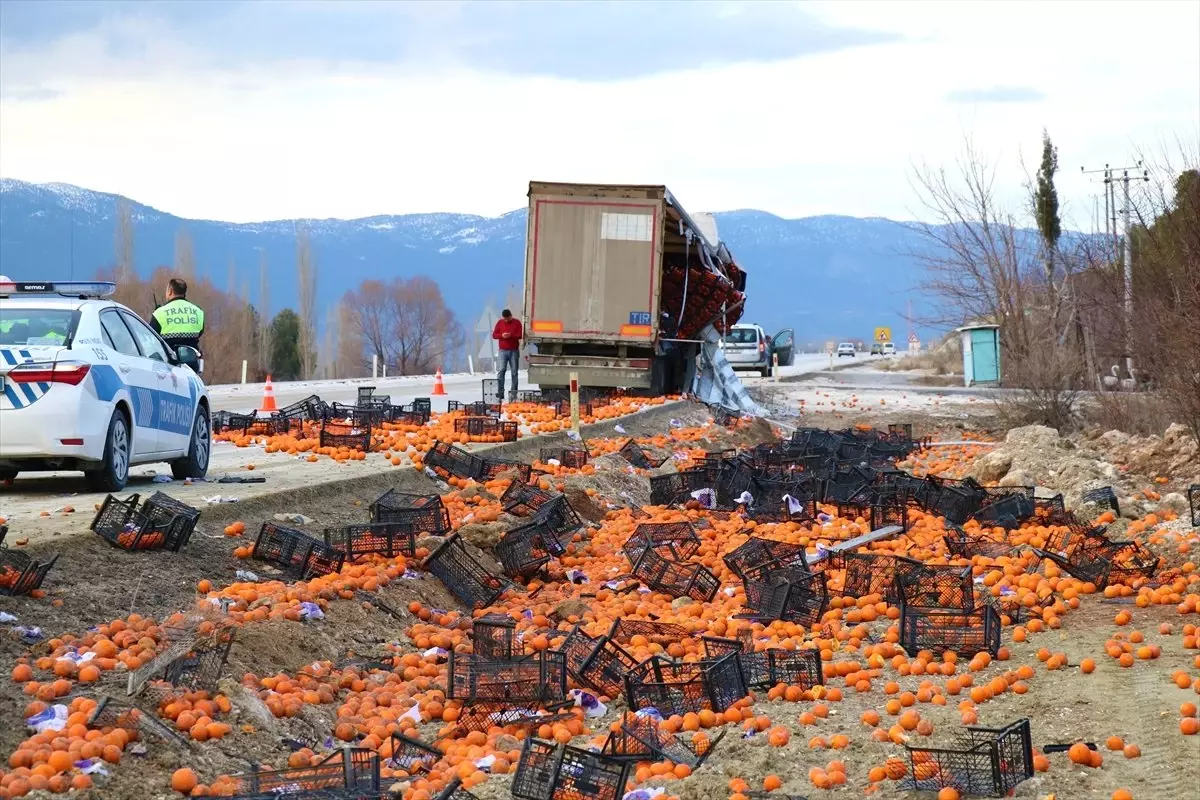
point(483, 535)
point(1174, 455)
point(615, 482)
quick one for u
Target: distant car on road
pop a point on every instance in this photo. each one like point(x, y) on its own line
point(747, 347)
point(86, 384)
point(889, 349)
point(846, 349)
point(876, 349)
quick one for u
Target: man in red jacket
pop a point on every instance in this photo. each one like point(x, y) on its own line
point(508, 333)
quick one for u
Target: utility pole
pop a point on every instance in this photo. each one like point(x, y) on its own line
point(1126, 250)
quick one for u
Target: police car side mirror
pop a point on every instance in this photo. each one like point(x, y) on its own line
point(187, 356)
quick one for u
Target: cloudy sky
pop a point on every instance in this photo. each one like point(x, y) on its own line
point(268, 109)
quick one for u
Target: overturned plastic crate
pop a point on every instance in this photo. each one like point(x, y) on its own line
point(350, 435)
point(178, 519)
point(636, 455)
point(465, 577)
point(676, 540)
point(940, 586)
point(523, 499)
point(484, 716)
point(310, 409)
point(123, 524)
point(1006, 512)
point(1194, 502)
point(454, 791)
point(787, 594)
point(537, 678)
point(295, 552)
point(662, 633)
point(641, 737)
point(492, 468)
point(561, 517)
point(769, 667)
point(569, 457)
point(756, 555)
point(981, 761)
point(1103, 496)
point(20, 573)
point(674, 488)
point(576, 647)
point(1109, 562)
point(524, 550)
point(487, 428)
point(349, 768)
point(677, 687)
point(960, 544)
point(549, 771)
point(200, 668)
point(872, 573)
point(424, 514)
point(945, 630)
point(388, 539)
point(449, 460)
point(493, 636)
point(676, 578)
point(604, 669)
point(402, 752)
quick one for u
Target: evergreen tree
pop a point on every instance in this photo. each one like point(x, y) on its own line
point(1045, 206)
point(285, 346)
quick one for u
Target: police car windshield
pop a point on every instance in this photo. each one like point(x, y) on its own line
point(35, 326)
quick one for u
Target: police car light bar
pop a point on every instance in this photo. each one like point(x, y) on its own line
point(85, 290)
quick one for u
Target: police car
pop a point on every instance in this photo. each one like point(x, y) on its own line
point(86, 385)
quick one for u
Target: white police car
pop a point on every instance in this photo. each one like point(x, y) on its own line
point(86, 385)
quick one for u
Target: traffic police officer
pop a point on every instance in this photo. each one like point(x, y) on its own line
point(178, 321)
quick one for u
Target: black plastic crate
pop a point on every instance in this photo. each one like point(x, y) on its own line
point(903, 431)
point(523, 499)
point(982, 761)
point(494, 467)
point(576, 647)
point(675, 578)
point(938, 630)
point(736, 479)
point(1103, 496)
point(962, 545)
point(339, 434)
point(675, 540)
point(674, 488)
point(123, 524)
point(640, 737)
point(493, 636)
point(749, 559)
point(411, 755)
point(604, 669)
point(177, 518)
point(483, 717)
point(548, 771)
point(423, 514)
point(788, 594)
point(776, 665)
point(1193, 494)
point(872, 573)
point(448, 459)
point(1007, 512)
point(569, 457)
point(622, 630)
point(524, 550)
point(200, 669)
point(350, 768)
point(20, 573)
point(295, 552)
point(677, 687)
point(356, 416)
point(1106, 562)
point(536, 678)
point(561, 518)
point(474, 409)
point(388, 539)
point(632, 452)
point(940, 586)
point(530, 396)
point(465, 577)
point(310, 409)
point(562, 408)
point(499, 430)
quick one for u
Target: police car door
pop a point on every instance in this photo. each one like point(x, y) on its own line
point(136, 375)
point(173, 403)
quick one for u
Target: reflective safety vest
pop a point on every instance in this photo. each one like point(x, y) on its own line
point(179, 319)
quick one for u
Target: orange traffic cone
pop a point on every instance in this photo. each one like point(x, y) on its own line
point(269, 397)
point(439, 388)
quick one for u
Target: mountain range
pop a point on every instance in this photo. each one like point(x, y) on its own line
point(829, 277)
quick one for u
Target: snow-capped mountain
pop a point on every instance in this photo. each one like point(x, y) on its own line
point(827, 276)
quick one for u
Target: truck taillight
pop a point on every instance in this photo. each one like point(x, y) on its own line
point(70, 372)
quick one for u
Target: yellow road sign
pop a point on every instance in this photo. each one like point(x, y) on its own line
point(883, 335)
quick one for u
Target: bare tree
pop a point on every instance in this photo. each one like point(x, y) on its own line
point(426, 332)
point(375, 316)
point(185, 255)
point(306, 268)
point(123, 240)
point(349, 344)
point(264, 313)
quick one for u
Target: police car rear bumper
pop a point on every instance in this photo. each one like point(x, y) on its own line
point(51, 428)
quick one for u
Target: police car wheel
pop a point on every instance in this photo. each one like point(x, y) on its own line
point(114, 470)
point(195, 465)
